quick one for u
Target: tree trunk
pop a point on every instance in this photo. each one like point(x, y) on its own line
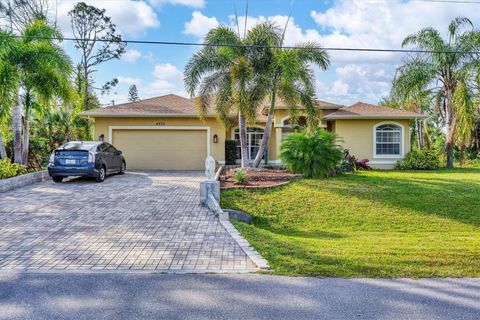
point(418, 127)
point(3, 152)
point(267, 132)
point(85, 84)
point(26, 141)
point(450, 128)
point(242, 130)
point(17, 133)
point(427, 140)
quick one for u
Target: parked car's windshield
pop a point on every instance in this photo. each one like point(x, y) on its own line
point(76, 145)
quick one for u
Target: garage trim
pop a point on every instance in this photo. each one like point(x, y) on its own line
point(111, 128)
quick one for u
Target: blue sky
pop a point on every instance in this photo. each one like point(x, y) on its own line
point(352, 77)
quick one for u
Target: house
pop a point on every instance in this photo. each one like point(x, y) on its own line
point(165, 132)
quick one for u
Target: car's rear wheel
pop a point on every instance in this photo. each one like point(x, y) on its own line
point(123, 168)
point(57, 179)
point(102, 173)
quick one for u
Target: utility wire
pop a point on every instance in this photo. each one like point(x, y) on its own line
point(201, 44)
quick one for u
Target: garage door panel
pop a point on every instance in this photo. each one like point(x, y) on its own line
point(162, 149)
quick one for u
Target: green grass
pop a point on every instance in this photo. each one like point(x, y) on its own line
point(369, 224)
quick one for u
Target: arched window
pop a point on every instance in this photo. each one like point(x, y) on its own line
point(388, 140)
point(254, 138)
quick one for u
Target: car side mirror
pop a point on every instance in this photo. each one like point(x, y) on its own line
point(119, 152)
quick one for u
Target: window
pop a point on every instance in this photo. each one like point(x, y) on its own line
point(388, 140)
point(254, 139)
point(111, 149)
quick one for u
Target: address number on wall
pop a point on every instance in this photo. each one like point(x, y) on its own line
point(160, 123)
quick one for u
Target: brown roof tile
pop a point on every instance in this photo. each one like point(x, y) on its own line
point(170, 105)
point(361, 110)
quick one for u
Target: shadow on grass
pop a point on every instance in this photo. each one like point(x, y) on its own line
point(457, 199)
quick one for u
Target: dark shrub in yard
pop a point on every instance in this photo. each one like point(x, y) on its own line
point(349, 163)
point(424, 159)
point(312, 153)
point(230, 151)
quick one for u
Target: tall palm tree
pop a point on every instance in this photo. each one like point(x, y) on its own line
point(290, 76)
point(439, 71)
point(231, 74)
point(43, 70)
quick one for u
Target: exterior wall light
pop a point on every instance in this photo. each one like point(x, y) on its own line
point(101, 137)
point(215, 138)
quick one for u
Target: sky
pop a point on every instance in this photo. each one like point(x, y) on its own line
point(352, 76)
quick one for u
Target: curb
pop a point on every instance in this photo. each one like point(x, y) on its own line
point(23, 180)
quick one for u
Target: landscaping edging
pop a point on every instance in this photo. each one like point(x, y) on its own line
point(23, 180)
point(208, 199)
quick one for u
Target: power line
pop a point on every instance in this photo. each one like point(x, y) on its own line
point(201, 44)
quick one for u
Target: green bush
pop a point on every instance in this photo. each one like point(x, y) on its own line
point(9, 169)
point(425, 159)
point(240, 177)
point(230, 151)
point(312, 153)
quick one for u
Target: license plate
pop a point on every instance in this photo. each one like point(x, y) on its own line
point(70, 161)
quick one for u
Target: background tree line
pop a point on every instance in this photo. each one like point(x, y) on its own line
point(42, 90)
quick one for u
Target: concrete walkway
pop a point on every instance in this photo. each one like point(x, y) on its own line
point(150, 221)
point(142, 296)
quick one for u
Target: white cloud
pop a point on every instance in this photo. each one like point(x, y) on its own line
point(189, 3)
point(131, 55)
point(131, 17)
point(340, 88)
point(167, 79)
point(199, 25)
point(129, 80)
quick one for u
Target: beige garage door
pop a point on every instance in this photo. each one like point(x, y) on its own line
point(162, 149)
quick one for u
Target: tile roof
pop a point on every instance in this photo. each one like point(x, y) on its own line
point(170, 105)
point(361, 110)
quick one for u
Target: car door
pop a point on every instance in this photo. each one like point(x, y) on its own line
point(103, 155)
point(115, 159)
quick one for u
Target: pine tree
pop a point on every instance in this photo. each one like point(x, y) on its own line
point(133, 93)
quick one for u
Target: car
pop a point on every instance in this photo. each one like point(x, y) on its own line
point(86, 159)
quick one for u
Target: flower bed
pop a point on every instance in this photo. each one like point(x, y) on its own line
point(257, 178)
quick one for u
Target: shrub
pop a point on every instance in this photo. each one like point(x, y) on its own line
point(349, 163)
point(312, 153)
point(9, 169)
point(240, 177)
point(230, 151)
point(425, 159)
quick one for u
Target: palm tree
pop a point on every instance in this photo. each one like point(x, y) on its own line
point(290, 77)
point(438, 72)
point(232, 74)
point(43, 70)
point(8, 84)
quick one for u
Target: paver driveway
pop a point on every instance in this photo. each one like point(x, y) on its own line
point(138, 221)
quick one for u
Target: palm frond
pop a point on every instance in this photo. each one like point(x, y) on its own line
point(313, 53)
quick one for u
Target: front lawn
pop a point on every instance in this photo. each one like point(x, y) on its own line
point(369, 224)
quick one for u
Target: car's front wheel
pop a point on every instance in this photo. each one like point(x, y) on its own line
point(102, 173)
point(123, 168)
point(57, 179)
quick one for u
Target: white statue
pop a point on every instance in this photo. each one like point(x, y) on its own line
point(210, 168)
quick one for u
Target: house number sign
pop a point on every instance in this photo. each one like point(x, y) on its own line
point(160, 123)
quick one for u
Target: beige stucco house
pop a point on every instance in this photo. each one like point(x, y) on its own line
point(166, 133)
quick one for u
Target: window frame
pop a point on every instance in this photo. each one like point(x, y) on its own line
point(249, 134)
point(402, 141)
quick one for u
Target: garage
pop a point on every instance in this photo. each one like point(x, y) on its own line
point(163, 148)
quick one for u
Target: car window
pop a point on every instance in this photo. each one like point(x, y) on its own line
point(111, 149)
point(102, 148)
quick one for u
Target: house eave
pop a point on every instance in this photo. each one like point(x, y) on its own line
point(373, 117)
point(140, 115)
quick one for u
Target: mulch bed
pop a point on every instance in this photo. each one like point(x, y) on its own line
point(257, 178)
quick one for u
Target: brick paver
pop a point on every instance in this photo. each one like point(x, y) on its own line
point(138, 221)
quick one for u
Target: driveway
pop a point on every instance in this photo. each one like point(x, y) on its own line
point(137, 221)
